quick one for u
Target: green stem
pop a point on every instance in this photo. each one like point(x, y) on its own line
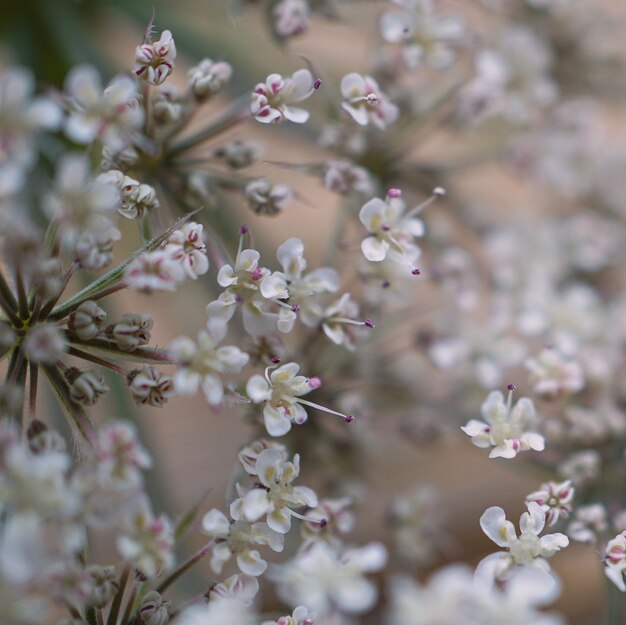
point(183, 568)
point(117, 602)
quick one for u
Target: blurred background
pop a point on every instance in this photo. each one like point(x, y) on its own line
point(398, 451)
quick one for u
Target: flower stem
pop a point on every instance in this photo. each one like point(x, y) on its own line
point(184, 567)
point(117, 602)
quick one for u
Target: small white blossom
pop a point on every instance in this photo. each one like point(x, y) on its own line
point(154, 271)
point(281, 391)
point(238, 587)
point(112, 115)
point(300, 616)
point(552, 374)
point(291, 17)
point(276, 495)
point(121, 456)
point(187, 247)
point(225, 610)
point(615, 560)
point(529, 549)
point(154, 62)
point(366, 103)
point(147, 542)
point(324, 579)
point(555, 500)
point(267, 198)
point(208, 77)
point(588, 524)
point(505, 428)
point(238, 537)
point(200, 363)
point(272, 100)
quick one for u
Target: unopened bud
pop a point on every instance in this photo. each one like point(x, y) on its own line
point(86, 387)
point(150, 386)
point(87, 321)
point(44, 343)
point(131, 331)
point(154, 610)
point(104, 585)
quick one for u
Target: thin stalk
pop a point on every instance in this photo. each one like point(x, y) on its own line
point(235, 115)
point(50, 304)
point(117, 601)
point(129, 603)
point(99, 617)
point(7, 295)
point(184, 567)
point(79, 353)
point(32, 391)
point(66, 309)
point(22, 299)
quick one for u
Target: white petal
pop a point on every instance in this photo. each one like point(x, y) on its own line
point(255, 504)
point(276, 423)
point(213, 389)
point(374, 249)
point(251, 563)
point(215, 523)
point(258, 389)
point(296, 115)
point(493, 522)
point(352, 85)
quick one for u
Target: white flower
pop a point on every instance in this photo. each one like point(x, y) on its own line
point(241, 588)
point(553, 374)
point(615, 560)
point(291, 17)
point(155, 61)
point(526, 550)
point(241, 285)
point(424, 35)
point(391, 229)
point(154, 271)
point(238, 537)
point(209, 77)
point(325, 579)
point(186, 246)
point(588, 524)
point(272, 100)
point(200, 363)
point(121, 456)
point(112, 115)
point(505, 428)
point(79, 202)
point(226, 610)
point(344, 177)
point(555, 500)
point(300, 616)
point(146, 542)
point(366, 103)
point(276, 495)
point(21, 117)
point(281, 390)
point(267, 198)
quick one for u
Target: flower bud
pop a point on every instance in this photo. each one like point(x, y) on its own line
point(48, 277)
point(131, 331)
point(208, 78)
point(93, 249)
point(42, 440)
point(266, 198)
point(168, 105)
point(240, 153)
point(104, 586)
point(86, 387)
point(154, 62)
point(154, 609)
point(44, 343)
point(150, 386)
point(87, 321)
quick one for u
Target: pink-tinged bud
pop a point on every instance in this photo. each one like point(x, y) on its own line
point(295, 308)
point(510, 387)
point(394, 193)
point(317, 84)
point(369, 323)
point(315, 383)
point(243, 229)
point(323, 523)
point(416, 271)
point(349, 418)
point(275, 361)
